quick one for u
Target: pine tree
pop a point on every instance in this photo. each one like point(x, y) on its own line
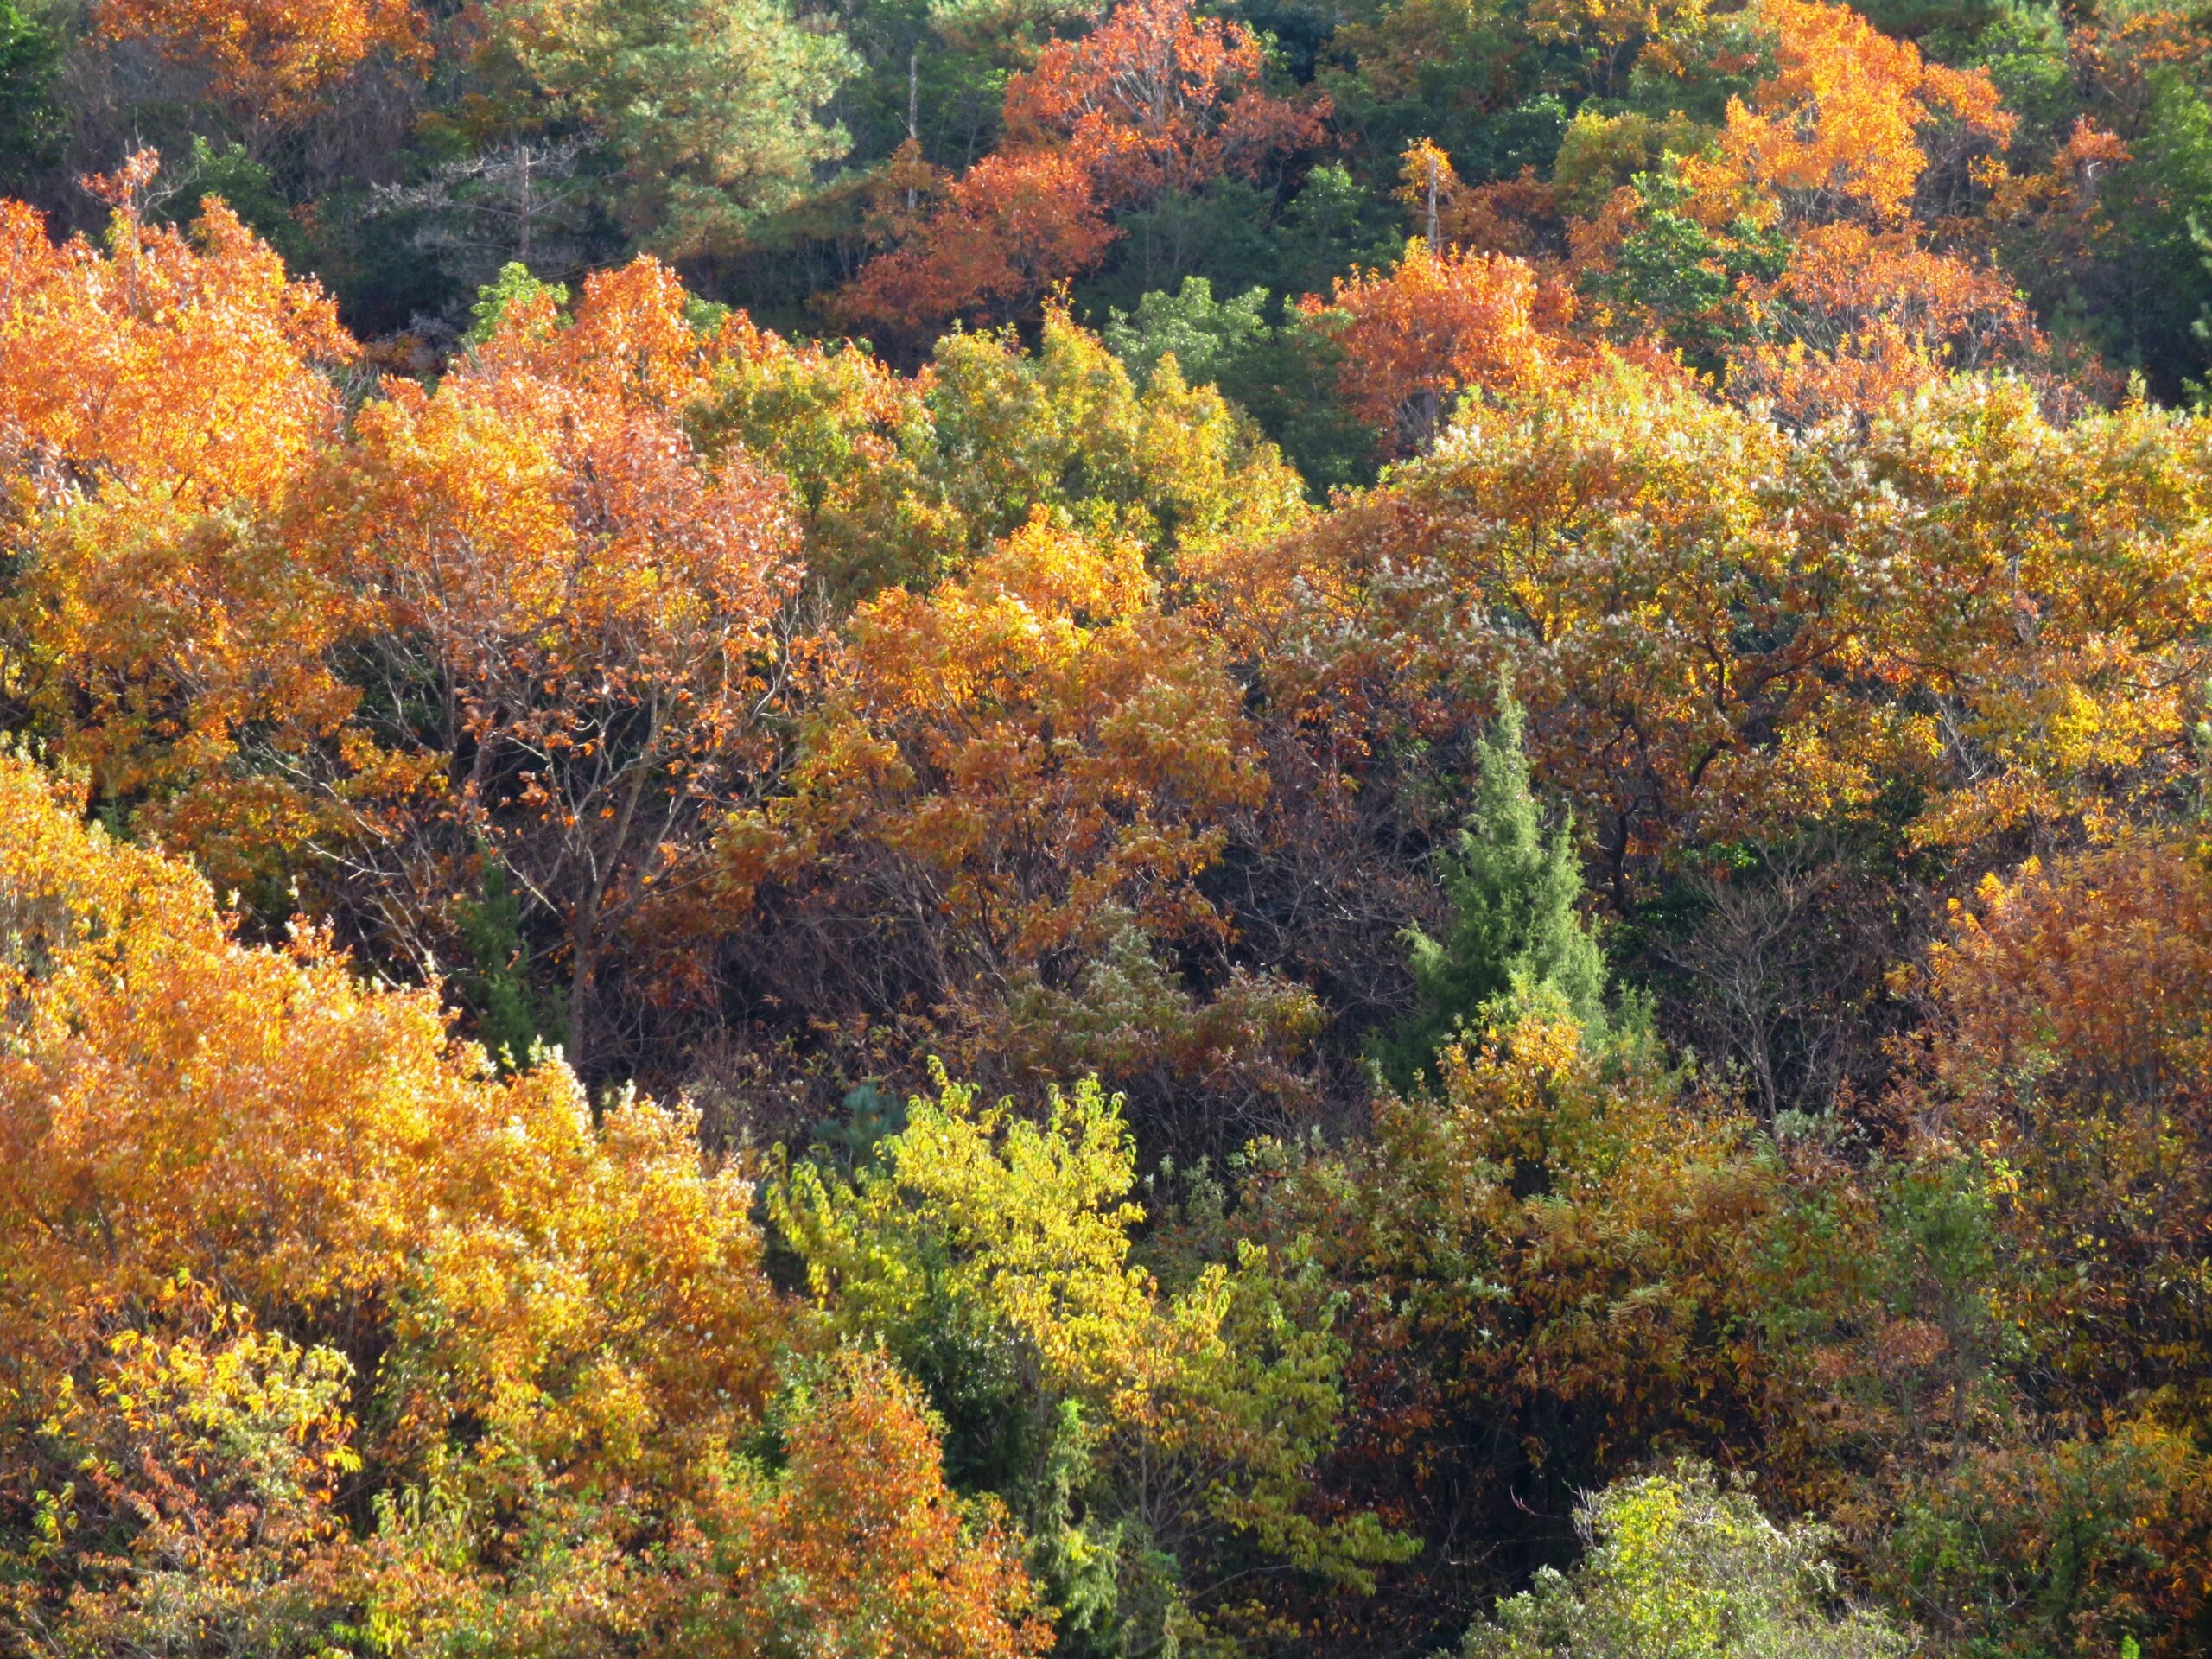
point(1516, 922)
point(715, 111)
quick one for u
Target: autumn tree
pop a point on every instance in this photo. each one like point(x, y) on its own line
point(162, 400)
point(1858, 320)
point(1440, 323)
point(197, 1462)
point(1554, 534)
point(272, 61)
point(2053, 1116)
point(517, 619)
point(2055, 617)
point(1777, 243)
point(1546, 1262)
point(1833, 147)
point(2093, 1152)
point(575, 623)
point(1016, 758)
point(1160, 1442)
point(912, 479)
point(854, 1540)
point(1017, 784)
point(1837, 129)
point(1153, 99)
point(370, 1163)
point(1567, 537)
point(1004, 232)
point(162, 363)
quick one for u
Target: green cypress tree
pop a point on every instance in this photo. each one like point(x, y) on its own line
point(1515, 923)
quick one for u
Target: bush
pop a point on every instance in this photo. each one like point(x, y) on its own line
point(1679, 1569)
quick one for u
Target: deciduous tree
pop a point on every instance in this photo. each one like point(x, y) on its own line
point(1154, 98)
point(1014, 760)
point(1440, 323)
point(574, 628)
point(559, 1333)
point(161, 400)
point(267, 59)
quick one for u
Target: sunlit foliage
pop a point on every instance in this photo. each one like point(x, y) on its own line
point(990, 828)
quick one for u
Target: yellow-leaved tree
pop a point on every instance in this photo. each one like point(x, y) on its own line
point(1160, 1440)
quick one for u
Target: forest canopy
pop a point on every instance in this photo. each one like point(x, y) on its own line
point(1117, 831)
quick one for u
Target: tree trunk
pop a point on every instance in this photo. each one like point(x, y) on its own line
point(583, 985)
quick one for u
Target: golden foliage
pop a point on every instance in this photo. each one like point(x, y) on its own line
point(1836, 128)
point(1023, 754)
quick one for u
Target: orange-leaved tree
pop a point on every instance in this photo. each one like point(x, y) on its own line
point(571, 628)
point(160, 401)
point(271, 59)
point(2060, 1081)
point(1013, 762)
point(1004, 232)
point(1440, 322)
point(162, 364)
point(1837, 129)
point(1833, 149)
point(1858, 318)
point(1154, 99)
point(2071, 1012)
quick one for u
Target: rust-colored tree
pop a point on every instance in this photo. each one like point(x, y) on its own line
point(1154, 99)
point(271, 59)
point(1440, 323)
point(573, 630)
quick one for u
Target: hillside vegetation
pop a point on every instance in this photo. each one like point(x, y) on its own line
point(877, 829)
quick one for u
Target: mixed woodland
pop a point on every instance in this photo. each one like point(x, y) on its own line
point(1160, 830)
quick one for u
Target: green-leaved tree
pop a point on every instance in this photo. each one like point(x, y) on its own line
point(1515, 894)
point(1679, 1569)
point(713, 109)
